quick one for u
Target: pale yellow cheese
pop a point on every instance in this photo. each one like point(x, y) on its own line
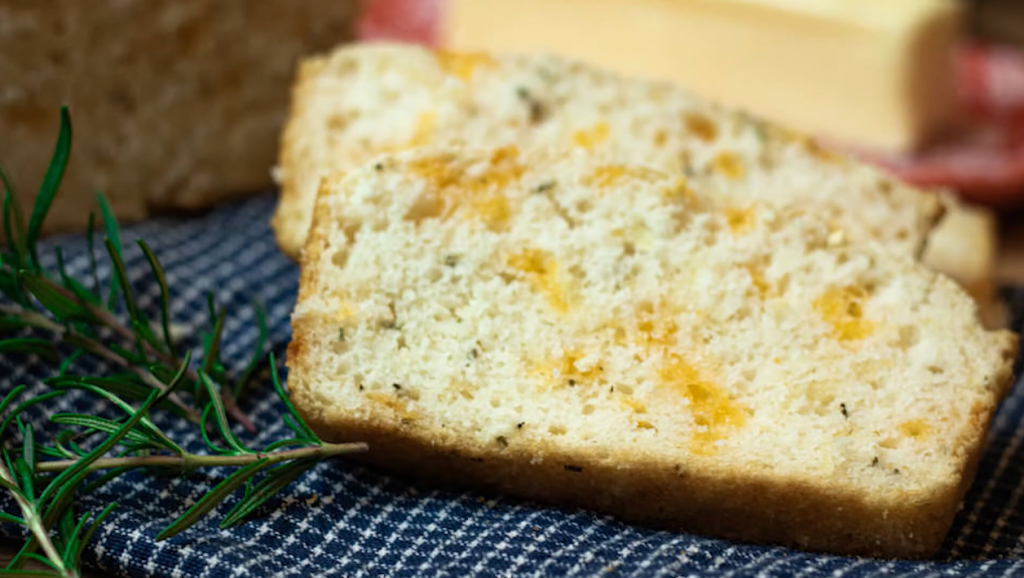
point(869, 72)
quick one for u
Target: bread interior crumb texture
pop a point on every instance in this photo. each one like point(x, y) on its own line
point(564, 304)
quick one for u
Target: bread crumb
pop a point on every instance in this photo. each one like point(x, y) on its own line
point(653, 361)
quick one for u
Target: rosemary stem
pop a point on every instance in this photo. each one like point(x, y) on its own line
point(109, 320)
point(189, 461)
point(232, 409)
point(35, 524)
point(97, 349)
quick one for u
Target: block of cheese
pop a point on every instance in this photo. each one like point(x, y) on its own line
point(176, 104)
point(873, 72)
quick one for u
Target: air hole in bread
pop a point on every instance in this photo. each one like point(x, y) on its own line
point(557, 430)
point(337, 122)
point(320, 397)
point(339, 258)
point(909, 336)
point(821, 398)
point(742, 313)
point(632, 272)
point(343, 66)
point(587, 409)
point(782, 285)
point(349, 229)
point(936, 369)
point(425, 207)
point(338, 347)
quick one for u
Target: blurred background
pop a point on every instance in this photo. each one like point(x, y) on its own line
point(180, 101)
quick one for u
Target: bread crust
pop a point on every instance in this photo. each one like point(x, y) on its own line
point(288, 220)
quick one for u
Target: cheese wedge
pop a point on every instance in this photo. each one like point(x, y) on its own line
point(873, 72)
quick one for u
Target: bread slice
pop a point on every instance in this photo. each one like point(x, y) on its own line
point(365, 99)
point(965, 241)
point(588, 333)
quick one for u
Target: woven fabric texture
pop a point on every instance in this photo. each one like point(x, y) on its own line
point(344, 520)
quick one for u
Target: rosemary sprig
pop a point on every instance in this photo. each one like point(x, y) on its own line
point(71, 337)
point(188, 461)
point(45, 474)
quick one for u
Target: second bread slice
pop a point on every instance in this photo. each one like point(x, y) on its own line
point(365, 99)
point(588, 333)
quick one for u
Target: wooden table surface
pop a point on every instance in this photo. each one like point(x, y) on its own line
point(1010, 269)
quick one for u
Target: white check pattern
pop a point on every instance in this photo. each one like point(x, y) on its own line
point(364, 523)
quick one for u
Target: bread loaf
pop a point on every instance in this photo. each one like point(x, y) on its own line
point(584, 332)
point(177, 104)
point(364, 99)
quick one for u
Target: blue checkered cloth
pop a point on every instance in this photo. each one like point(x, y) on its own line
point(344, 520)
